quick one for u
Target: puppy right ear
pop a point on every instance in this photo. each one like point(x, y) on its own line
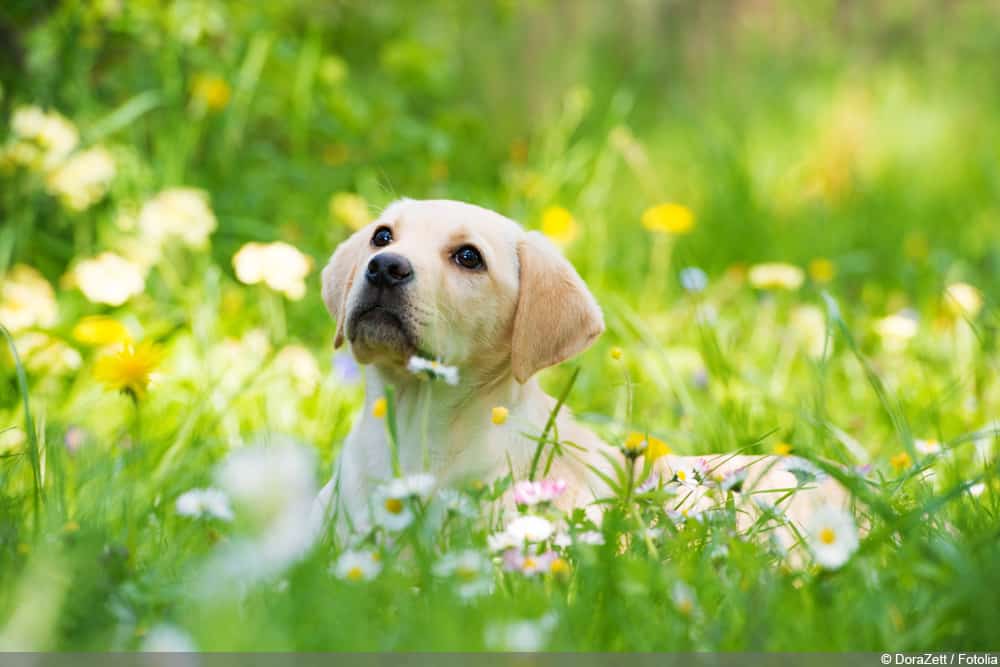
point(338, 276)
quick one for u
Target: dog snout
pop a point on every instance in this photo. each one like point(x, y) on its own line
point(387, 269)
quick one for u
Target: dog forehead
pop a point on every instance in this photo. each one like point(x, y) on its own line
point(443, 218)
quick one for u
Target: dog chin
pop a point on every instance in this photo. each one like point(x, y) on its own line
point(380, 335)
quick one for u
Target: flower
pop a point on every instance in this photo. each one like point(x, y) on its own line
point(108, 278)
point(99, 330)
point(927, 447)
point(901, 462)
point(559, 225)
point(533, 493)
point(278, 265)
point(683, 598)
point(529, 528)
point(499, 415)
point(963, 300)
point(501, 541)
point(693, 279)
point(83, 179)
point(434, 370)
point(733, 480)
point(182, 213)
point(616, 353)
point(380, 407)
point(26, 299)
point(528, 563)
point(470, 568)
point(301, 365)
point(822, 270)
point(809, 326)
point(832, 536)
point(350, 209)
point(896, 330)
point(522, 636)
point(129, 369)
point(669, 218)
point(805, 471)
point(391, 511)
point(635, 444)
point(419, 485)
point(357, 566)
point(42, 139)
point(782, 448)
point(211, 90)
point(204, 503)
point(776, 275)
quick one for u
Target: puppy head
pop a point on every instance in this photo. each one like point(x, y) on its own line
point(457, 282)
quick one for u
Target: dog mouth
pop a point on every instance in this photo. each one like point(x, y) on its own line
point(379, 328)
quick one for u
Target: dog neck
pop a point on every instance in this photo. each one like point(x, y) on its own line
point(441, 427)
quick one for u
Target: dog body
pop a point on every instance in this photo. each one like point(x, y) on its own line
point(455, 282)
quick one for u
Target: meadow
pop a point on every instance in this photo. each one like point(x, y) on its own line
point(790, 213)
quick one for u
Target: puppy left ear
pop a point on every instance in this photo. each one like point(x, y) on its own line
point(557, 316)
point(338, 276)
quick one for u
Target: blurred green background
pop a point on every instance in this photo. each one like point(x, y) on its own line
point(857, 141)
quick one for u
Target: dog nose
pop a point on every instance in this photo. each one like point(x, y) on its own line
point(387, 269)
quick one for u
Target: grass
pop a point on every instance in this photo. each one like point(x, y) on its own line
point(865, 138)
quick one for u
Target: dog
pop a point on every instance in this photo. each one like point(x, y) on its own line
point(451, 281)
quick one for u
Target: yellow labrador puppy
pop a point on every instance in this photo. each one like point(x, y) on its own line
point(450, 281)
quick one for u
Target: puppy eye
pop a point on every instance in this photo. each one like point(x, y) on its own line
point(468, 257)
point(382, 237)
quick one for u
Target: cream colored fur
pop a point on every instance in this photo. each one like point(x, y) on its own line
point(527, 311)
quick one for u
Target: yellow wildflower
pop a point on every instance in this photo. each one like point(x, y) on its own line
point(901, 462)
point(129, 369)
point(616, 353)
point(100, 330)
point(559, 225)
point(782, 449)
point(669, 218)
point(560, 567)
point(822, 270)
point(379, 408)
point(212, 91)
point(499, 415)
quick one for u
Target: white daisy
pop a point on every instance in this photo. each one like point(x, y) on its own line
point(471, 569)
point(683, 598)
point(391, 510)
point(591, 537)
point(357, 566)
point(832, 535)
point(530, 528)
point(204, 503)
point(435, 370)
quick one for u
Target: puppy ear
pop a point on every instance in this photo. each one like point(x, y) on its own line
point(557, 316)
point(338, 276)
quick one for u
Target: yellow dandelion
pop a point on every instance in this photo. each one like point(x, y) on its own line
point(559, 225)
point(499, 415)
point(99, 330)
point(129, 369)
point(776, 275)
point(670, 218)
point(560, 567)
point(656, 448)
point(901, 462)
point(782, 449)
point(822, 270)
point(616, 353)
point(379, 408)
point(212, 91)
